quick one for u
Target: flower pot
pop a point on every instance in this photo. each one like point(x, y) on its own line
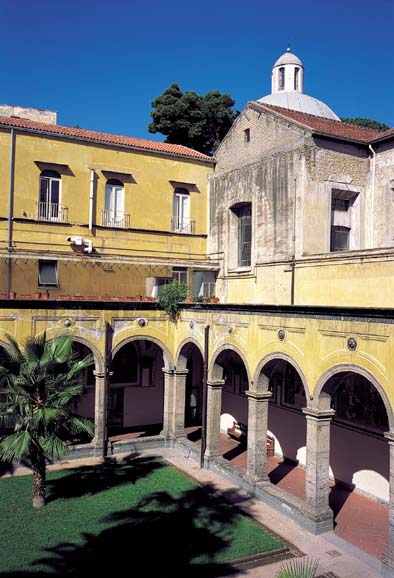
point(12, 295)
point(188, 300)
point(45, 295)
point(25, 295)
point(37, 295)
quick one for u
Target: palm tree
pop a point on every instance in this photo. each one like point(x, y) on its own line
point(39, 385)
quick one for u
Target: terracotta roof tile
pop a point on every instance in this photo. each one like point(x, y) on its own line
point(103, 137)
point(328, 126)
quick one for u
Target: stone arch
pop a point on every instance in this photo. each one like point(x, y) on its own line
point(167, 356)
point(215, 372)
point(261, 384)
point(321, 400)
point(186, 344)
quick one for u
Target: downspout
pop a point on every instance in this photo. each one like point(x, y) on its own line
point(204, 397)
point(91, 199)
point(292, 264)
point(10, 210)
point(373, 194)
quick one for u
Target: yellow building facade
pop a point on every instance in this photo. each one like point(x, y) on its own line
point(86, 213)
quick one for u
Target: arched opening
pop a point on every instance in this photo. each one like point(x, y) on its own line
point(286, 425)
point(234, 408)
point(359, 457)
point(136, 393)
point(191, 359)
point(85, 406)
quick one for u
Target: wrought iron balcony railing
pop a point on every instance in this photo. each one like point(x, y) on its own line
point(52, 212)
point(182, 225)
point(117, 219)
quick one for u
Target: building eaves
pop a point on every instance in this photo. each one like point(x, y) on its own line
point(103, 138)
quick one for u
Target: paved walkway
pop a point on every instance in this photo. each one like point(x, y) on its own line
point(358, 520)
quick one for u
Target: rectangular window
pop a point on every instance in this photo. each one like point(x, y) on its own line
point(179, 274)
point(47, 274)
point(244, 235)
point(339, 238)
point(247, 135)
point(340, 204)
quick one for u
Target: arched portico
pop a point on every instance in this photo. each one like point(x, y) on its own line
point(189, 394)
point(226, 396)
point(275, 406)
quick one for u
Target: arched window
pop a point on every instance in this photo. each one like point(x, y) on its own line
point(49, 200)
point(114, 215)
point(296, 78)
point(181, 222)
point(281, 84)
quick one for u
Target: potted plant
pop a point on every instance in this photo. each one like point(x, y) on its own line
point(169, 297)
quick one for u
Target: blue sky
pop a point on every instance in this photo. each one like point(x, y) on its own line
point(99, 63)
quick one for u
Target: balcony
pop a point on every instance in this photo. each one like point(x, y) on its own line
point(117, 219)
point(182, 225)
point(52, 212)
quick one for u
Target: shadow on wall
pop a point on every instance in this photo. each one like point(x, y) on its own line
point(289, 429)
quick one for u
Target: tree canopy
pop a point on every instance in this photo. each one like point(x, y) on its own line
point(367, 123)
point(186, 118)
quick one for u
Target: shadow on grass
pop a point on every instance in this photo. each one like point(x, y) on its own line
point(95, 479)
point(162, 536)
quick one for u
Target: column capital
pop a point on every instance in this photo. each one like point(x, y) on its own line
point(318, 414)
point(389, 435)
point(216, 384)
point(258, 395)
point(99, 374)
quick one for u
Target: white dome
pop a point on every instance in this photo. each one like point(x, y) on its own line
point(288, 58)
point(299, 102)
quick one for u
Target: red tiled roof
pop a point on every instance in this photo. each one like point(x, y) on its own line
point(92, 135)
point(384, 134)
point(328, 126)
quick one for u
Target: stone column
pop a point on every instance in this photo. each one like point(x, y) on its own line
point(174, 403)
point(214, 408)
point(257, 436)
point(317, 468)
point(100, 416)
point(388, 556)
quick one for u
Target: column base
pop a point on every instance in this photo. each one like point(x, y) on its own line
point(319, 522)
point(387, 567)
point(99, 451)
point(258, 481)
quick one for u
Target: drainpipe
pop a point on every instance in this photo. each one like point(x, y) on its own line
point(373, 193)
point(292, 264)
point(91, 199)
point(204, 397)
point(10, 209)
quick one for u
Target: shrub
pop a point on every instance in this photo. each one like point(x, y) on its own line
point(169, 297)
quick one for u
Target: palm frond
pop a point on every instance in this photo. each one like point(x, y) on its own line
point(15, 447)
point(59, 349)
point(77, 425)
point(80, 365)
point(53, 446)
point(13, 352)
point(298, 568)
point(34, 348)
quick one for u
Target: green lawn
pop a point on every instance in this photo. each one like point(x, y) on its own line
point(141, 515)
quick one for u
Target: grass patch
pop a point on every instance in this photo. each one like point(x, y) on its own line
point(140, 514)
